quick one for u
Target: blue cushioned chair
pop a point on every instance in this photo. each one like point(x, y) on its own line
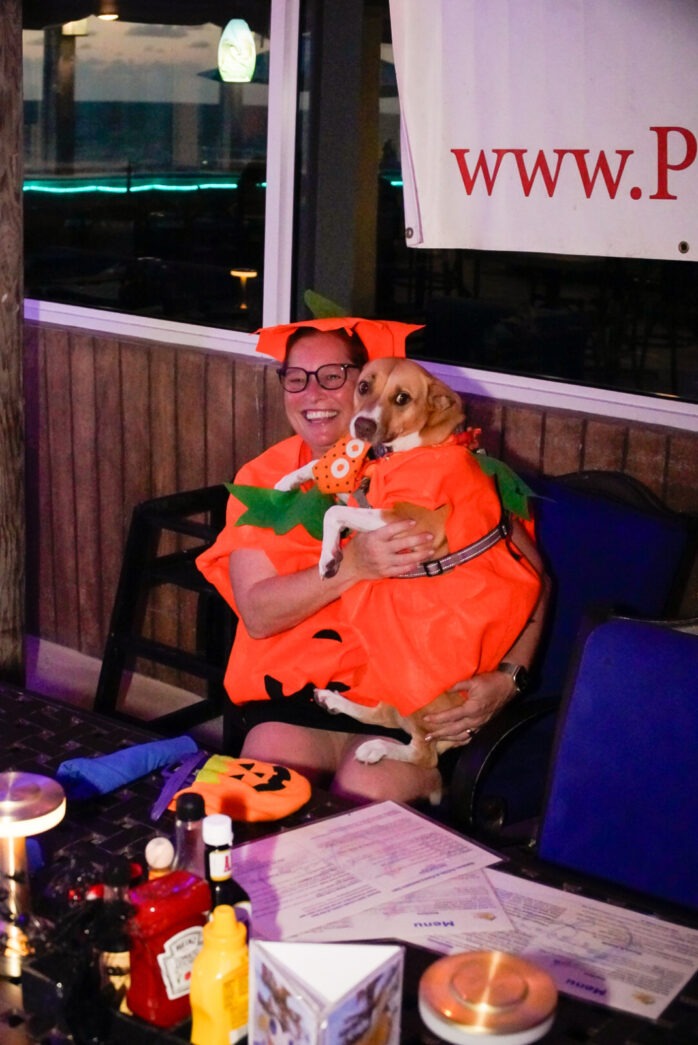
point(609, 543)
point(622, 800)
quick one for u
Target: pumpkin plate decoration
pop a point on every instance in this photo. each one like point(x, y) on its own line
point(247, 789)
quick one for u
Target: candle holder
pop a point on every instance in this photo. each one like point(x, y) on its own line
point(29, 805)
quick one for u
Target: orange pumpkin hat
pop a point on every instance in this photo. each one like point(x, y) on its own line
point(381, 337)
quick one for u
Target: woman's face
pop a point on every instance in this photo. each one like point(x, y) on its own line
point(318, 415)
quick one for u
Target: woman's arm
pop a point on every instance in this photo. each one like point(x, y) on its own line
point(270, 602)
point(484, 695)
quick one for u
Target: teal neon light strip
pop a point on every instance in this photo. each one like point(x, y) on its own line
point(37, 186)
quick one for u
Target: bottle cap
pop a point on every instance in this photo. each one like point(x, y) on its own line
point(159, 853)
point(190, 806)
point(223, 925)
point(469, 997)
point(218, 829)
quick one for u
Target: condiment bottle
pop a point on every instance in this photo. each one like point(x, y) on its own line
point(220, 982)
point(112, 940)
point(190, 811)
point(166, 935)
point(218, 840)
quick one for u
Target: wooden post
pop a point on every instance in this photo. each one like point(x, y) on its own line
point(12, 532)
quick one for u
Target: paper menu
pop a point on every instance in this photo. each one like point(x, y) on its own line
point(302, 879)
point(593, 950)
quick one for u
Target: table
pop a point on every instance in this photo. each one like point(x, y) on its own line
point(38, 734)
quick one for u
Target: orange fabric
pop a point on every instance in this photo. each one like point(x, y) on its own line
point(298, 655)
point(447, 628)
point(441, 630)
point(381, 337)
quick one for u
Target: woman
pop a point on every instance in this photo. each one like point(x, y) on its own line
point(291, 635)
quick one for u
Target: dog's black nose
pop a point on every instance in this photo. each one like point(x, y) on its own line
point(365, 428)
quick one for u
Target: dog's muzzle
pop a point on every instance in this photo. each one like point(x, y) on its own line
point(364, 428)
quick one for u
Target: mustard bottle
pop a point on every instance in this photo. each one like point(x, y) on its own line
point(219, 988)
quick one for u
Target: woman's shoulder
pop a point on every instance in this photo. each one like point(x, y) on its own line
point(279, 459)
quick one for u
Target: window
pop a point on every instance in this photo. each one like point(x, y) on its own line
point(145, 171)
point(146, 188)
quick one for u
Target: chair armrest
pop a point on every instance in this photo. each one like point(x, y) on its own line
point(476, 759)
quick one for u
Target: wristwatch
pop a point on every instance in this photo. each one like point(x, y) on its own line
point(518, 673)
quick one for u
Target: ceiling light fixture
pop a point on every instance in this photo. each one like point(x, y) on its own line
point(237, 55)
point(108, 10)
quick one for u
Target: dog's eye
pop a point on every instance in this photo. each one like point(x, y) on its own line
point(403, 398)
point(362, 388)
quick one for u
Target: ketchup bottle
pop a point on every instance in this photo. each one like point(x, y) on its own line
point(166, 935)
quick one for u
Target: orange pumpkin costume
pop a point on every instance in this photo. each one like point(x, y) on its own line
point(442, 629)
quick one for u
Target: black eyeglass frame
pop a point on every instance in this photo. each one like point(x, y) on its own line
point(344, 367)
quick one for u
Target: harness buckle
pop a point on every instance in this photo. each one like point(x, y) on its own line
point(433, 568)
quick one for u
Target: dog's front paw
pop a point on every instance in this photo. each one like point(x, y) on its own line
point(372, 751)
point(330, 563)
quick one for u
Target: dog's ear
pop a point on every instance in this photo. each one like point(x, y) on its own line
point(445, 405)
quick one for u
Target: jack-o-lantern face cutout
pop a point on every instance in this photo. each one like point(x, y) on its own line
point(257, 775)
point(247, 789)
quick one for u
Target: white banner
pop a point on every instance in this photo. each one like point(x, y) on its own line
point(561, 126)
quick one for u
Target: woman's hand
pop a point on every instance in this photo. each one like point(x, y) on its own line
point(483, 696)
point(389, 551)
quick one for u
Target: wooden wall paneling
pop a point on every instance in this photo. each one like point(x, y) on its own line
point(488, 415)
point(110, 470)
point(191, 419)
point(136, 434)
point(159, 418)
point(681, 477)
point(85, 478)
point(46, 609)
point(40, 584)
point(163, 422)
point(647, 458)
point(562, 445)
point(604, 445)
point(522, 437)
point(161, 619)
point(218, 419)
point(60, 445)
point(248, 413)
point(191, 459)
point(136, 425)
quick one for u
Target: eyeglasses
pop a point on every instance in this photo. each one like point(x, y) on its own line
point(330, 376)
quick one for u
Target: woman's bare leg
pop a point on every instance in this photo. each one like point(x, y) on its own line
point(314, 752)
point(384, 780)
point(326, 758)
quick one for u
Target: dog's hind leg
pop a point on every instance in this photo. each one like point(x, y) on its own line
point(379, 715)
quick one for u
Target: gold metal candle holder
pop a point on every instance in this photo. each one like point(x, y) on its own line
point(29, 805)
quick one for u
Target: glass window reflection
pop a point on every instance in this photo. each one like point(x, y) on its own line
point(145, 172)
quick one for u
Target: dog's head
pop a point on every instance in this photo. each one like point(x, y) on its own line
point(397, 403)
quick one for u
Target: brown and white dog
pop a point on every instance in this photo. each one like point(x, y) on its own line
point(398, 406)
